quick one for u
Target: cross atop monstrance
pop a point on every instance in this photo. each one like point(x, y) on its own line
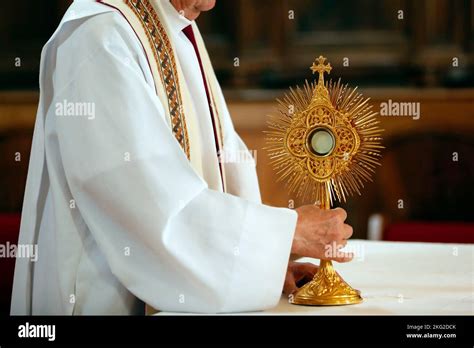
point(321, 68)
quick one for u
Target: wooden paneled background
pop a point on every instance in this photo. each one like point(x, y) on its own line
point(274, 42)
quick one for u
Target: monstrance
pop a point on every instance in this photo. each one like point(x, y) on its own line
point(325, 142)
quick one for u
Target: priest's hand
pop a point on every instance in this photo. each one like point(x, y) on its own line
point(298, 274)
point(321, 233)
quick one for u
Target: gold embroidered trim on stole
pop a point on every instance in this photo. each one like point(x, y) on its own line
point(165, 59)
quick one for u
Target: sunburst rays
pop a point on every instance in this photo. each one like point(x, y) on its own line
point(349, 179)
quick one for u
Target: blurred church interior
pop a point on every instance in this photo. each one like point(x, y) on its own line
point(259, 49)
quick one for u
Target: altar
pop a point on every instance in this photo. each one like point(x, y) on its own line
point(398, 278)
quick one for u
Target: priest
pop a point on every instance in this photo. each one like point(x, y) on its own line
point(129, 198)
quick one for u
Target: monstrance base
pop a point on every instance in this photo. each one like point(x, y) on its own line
point(326, 289)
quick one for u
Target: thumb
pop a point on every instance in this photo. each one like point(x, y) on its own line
point(343, 257)
point(290, 284)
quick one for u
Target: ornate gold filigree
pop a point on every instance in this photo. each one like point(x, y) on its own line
point(347, 115)
point(327, 287)
point(320, 172)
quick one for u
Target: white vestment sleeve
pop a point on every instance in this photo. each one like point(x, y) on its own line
point(174, 243)
point(240, 163)
point(241, 174)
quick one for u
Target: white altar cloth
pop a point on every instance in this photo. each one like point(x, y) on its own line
point(399, 278)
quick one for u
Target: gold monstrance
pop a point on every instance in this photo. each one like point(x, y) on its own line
point(325, 142)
